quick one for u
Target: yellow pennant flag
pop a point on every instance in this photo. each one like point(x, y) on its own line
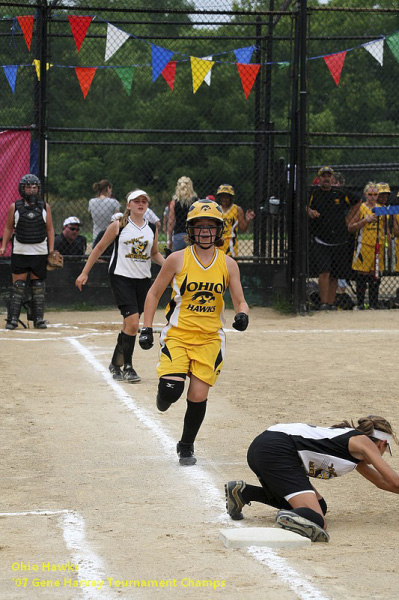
point(36, 62)
point(199, 69)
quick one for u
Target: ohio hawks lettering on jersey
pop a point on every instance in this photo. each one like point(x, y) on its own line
point(197, 294)
point(323, 450)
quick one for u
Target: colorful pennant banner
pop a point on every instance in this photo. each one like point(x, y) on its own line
point(79, 27)
point(26, 25)
point(161, 63)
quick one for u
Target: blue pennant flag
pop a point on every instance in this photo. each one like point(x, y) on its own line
point(160, 58)
point(10, 71)
point(244, 55)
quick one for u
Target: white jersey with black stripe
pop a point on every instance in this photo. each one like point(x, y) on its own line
point(323, 450)
point(131, 255)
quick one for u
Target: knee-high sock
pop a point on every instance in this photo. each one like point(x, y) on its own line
point(128, 342)
point(193, 418)
point(361, 286)
point(117, 357)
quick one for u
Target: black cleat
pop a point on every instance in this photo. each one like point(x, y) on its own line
point(116, 372)
point(161, 404)
point(12, 324)
point(186, 454)
point(40, 324)
point(288, 519)
point(234, 500)
point(130, 375)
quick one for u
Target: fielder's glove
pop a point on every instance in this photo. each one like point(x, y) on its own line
point(146, 339)
point(55, 260)
point(240, 321)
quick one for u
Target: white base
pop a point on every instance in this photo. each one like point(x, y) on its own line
point(273, 537)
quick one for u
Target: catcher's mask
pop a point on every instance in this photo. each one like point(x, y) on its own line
point(204, 209)
point(25, 181)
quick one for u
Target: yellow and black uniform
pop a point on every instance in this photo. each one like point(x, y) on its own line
point(364, 254)
point(230, 219)
point(193, 341)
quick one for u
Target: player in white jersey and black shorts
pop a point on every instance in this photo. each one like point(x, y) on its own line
point(135, 245)
point(285, 456)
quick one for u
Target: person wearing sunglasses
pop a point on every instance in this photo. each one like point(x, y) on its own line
point(69, 242)
point(365, 224)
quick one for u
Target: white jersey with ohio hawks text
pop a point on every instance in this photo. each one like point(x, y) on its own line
point(131, 256)
point(197, 301)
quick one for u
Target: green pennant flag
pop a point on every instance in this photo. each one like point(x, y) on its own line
point(282, 65)
point(126, 76)
point(393, 43)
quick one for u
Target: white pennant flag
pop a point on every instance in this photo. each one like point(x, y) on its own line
point(115, 39)
point(207, 77)
point(376, 49)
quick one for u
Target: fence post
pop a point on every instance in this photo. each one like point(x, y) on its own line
point(40, 91)
point(299, 213)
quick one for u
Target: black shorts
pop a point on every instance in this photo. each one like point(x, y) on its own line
point(29, 263)
point(273, 458)
point(331, 259)
point(129, 294)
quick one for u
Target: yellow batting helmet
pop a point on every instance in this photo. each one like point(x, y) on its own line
point(383, 188)
point(225, 188)
point(205, 208)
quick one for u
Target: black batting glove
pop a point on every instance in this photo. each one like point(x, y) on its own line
point(240, 321)
point(146, 339)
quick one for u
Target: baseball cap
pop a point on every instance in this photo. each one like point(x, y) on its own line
point(116, 217)
point(71, 221)
point(136, 194)
point(325, 170)
point(383, 188)
point(225, 188)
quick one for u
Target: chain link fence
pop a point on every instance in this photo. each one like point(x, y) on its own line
point(138, 95)
point(352, 123)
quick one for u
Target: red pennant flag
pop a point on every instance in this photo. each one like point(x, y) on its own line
point(26, 24)
point(79, 27)
point(335, 62)
point(85, 76)
point(248, 74)
point(169, 73)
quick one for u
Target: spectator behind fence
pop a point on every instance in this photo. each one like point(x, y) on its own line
point(69, 242)
point(106, 255)
point(233, 217)
point(364, 223)
point(103, 206)
point(181, 201)
point(30, 220)
point(151, 217)
point(328, 212)
point(384, 192)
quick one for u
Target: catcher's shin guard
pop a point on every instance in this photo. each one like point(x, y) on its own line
point(117, 357)
point(37, 303)
point(14, 304)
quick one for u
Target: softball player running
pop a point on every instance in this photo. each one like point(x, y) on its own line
point(135, 244)
point(284, 457)
point(193, 341)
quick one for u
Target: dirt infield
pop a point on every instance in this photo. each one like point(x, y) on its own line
point(95, 505)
